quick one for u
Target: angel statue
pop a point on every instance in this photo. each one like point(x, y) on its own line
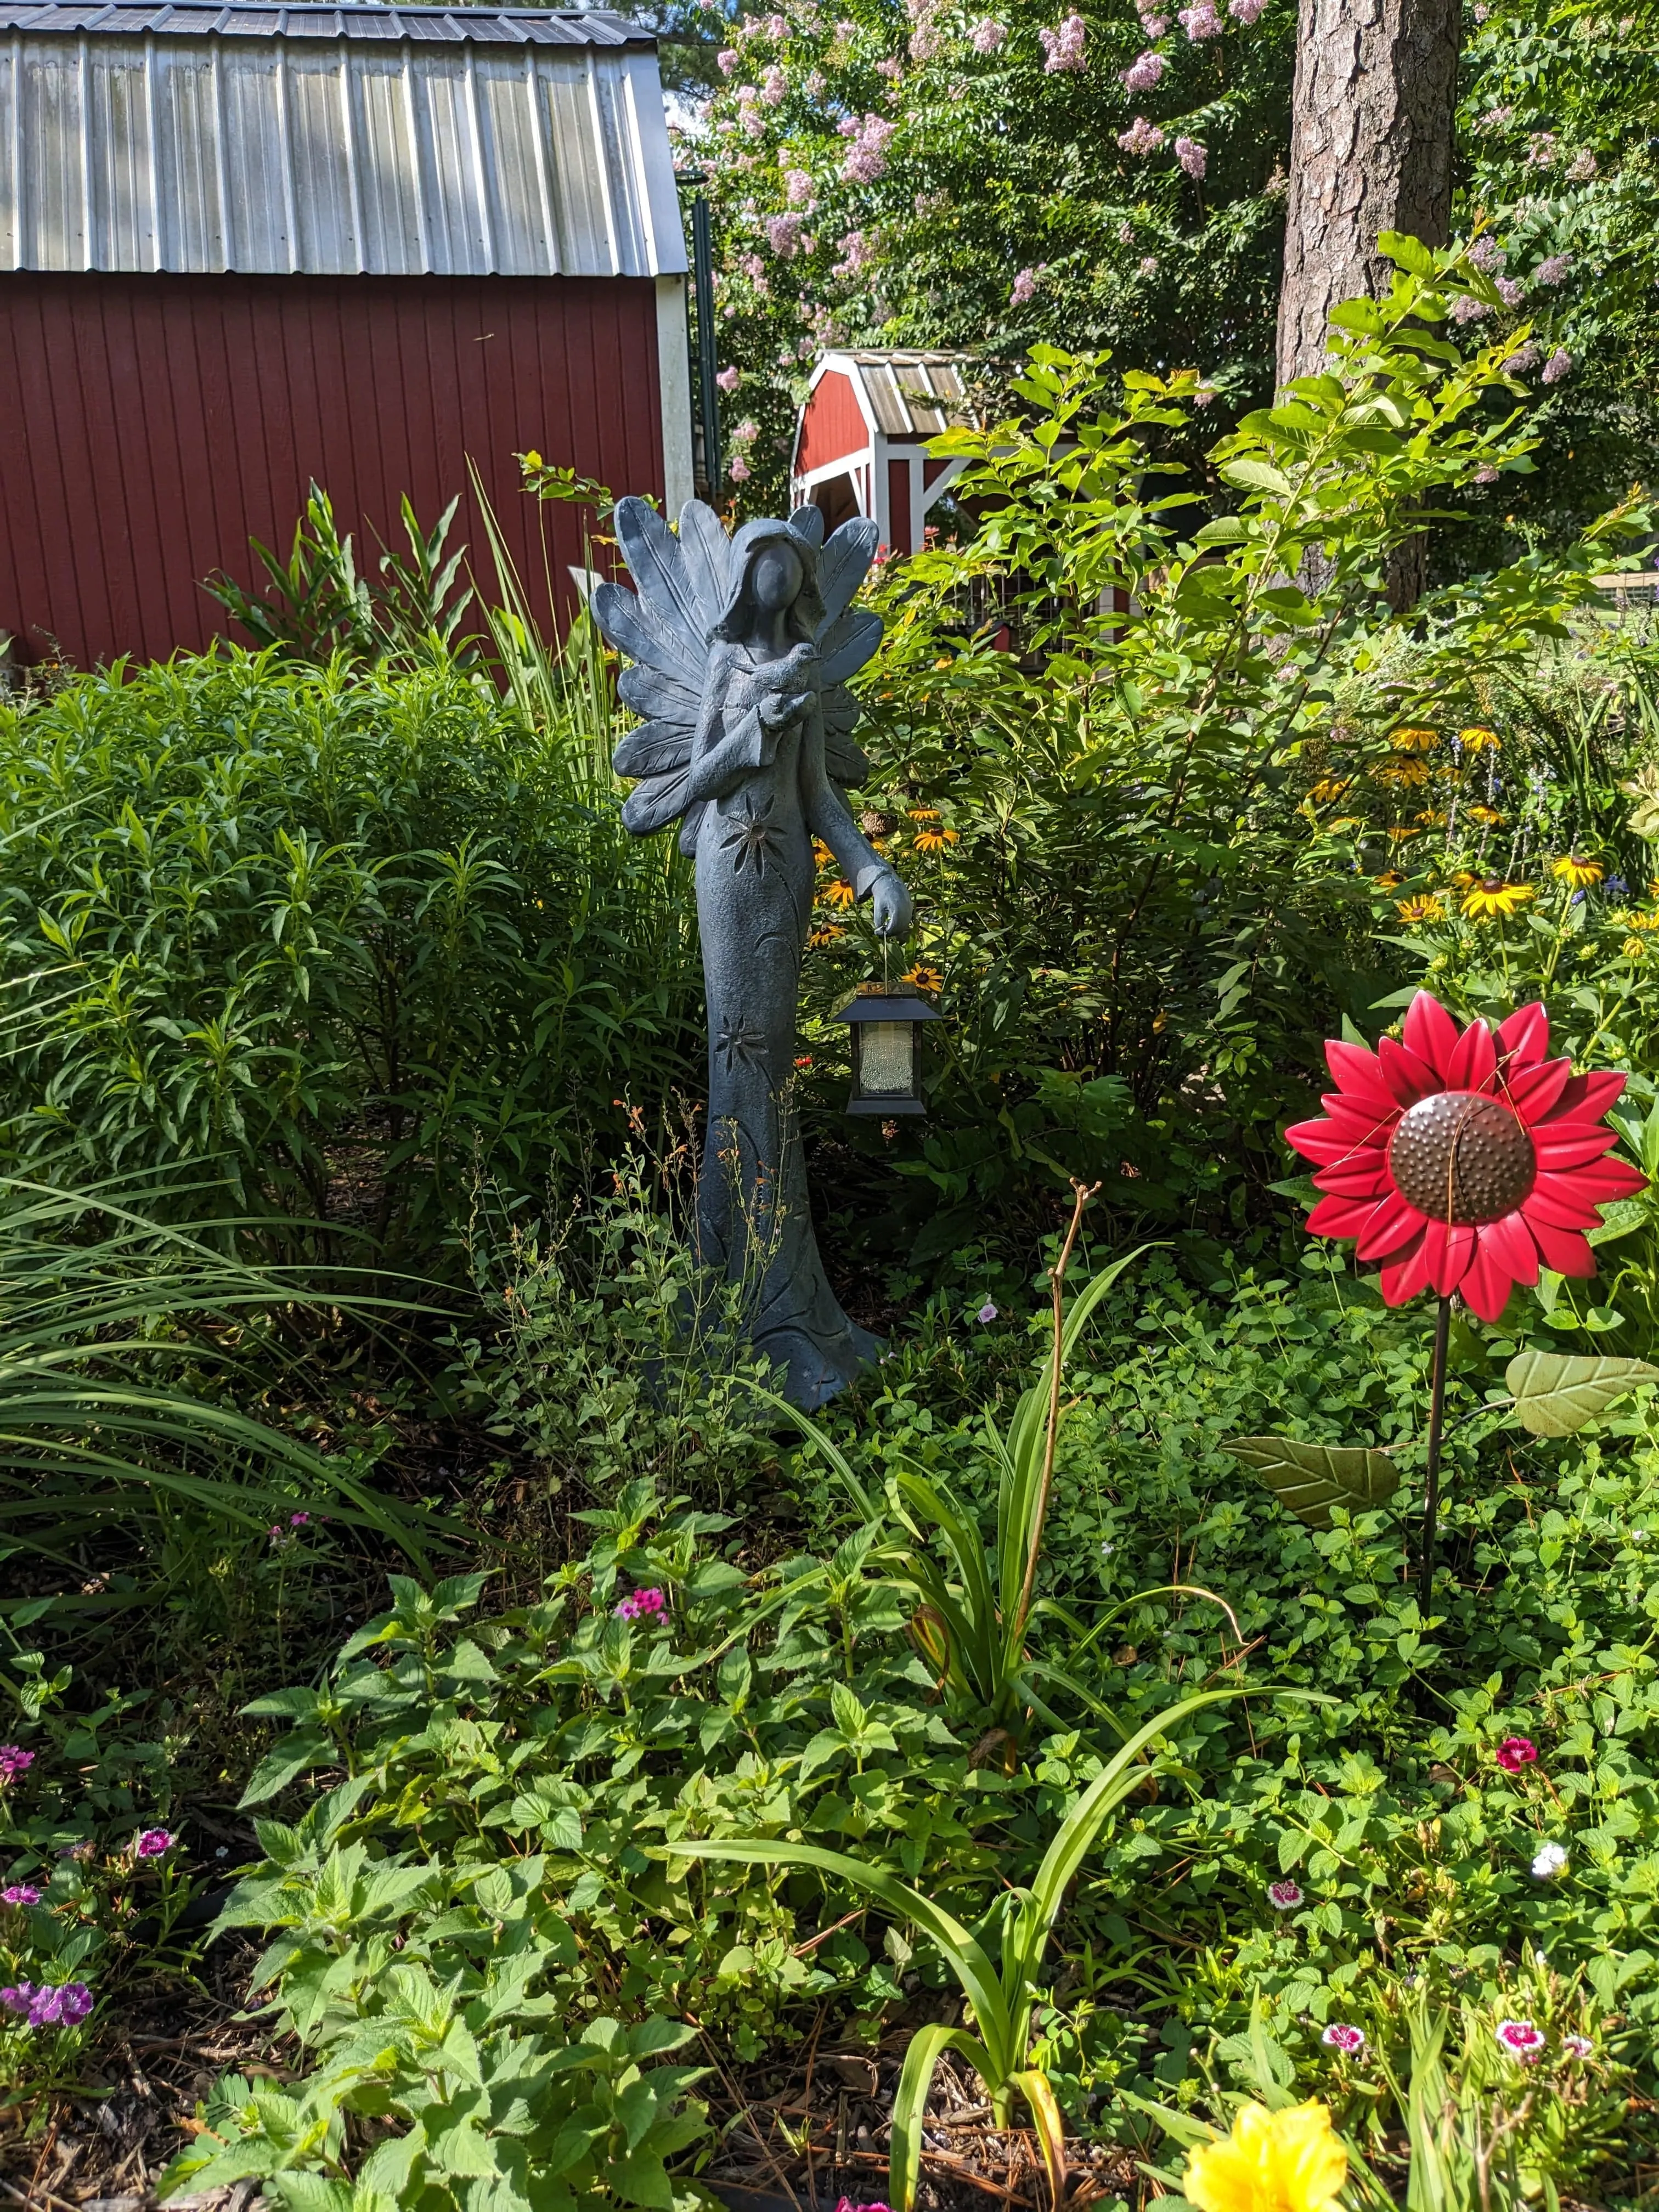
point(741, 649)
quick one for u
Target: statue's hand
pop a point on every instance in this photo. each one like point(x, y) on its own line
point(776, 712)
point(890, 906)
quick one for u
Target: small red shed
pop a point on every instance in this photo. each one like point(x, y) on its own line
point(246, 247)
point(859, 444)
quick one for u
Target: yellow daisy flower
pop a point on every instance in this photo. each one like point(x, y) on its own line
point(1400, 833)
point(1286, 2161)
point(1413, 741)
point(1329, 789)
point(924, 978)
point(1431, 818)
point(1634, 949)
point(923, 813)
point(830, 933)
point(1577, 870)
point(822, 857)
point(1404, 774)
point(841, 893)
point(1492, 899)
point(1488, 816)
point(1421, 909)
point(1475, 739)
point(934, 841)
point(1389, 880)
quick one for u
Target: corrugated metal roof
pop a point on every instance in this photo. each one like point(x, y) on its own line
point(323, 142)
point(912, 395)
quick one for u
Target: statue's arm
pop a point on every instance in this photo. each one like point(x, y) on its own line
point(829, 816)
point(725, 745)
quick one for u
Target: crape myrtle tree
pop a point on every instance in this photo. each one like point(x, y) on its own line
point(990, 176)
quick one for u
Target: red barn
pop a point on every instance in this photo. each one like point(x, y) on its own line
point(244, 247)
point(860, 444)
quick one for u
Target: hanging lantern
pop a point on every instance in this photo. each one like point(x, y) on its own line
point(887, 1025)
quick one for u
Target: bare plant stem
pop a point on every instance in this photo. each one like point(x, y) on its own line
point(1081, 1196)
point(1431, 1478)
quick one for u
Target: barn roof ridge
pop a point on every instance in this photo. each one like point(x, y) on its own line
point(423, 22)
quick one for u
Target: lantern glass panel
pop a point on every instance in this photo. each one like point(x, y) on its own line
point(887, 1059)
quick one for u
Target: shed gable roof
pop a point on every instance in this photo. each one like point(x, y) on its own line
point(309, 140)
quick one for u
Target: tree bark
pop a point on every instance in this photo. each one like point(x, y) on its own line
point(1370, 150)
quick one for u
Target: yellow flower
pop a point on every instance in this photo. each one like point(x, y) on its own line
point(1286, 2161)
point(1634, 949)
point(1404, 773)
point(533, 461)
point(924, 978)
point(1492, 898)
point(1488, 816)
point(1413, 741)
point(1477, 740)
point(934, 841)
point(1348, 822)
point(1389, 880)
point(1578, 871)
point(841, 893)
point(1421, 909)
point(1329, 788)
point(923, 813)
point(822, 855)
point(1643, 920)
point(1431, 820)
point(829, 934)
point(1400, 833)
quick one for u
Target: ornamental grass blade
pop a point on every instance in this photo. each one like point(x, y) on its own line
point(1555, 1394)
point(1307, 1479)
point(926, 2047)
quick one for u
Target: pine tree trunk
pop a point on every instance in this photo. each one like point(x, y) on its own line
point(1370, 150)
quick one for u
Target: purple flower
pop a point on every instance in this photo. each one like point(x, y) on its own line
point(1141, 137)
point(847, 2204)
point(1511, 291)
point(1191, 156)
point(644, 1605)
point(1523, 358)
point(1553, 271)
point(1465, 308)
point(988, 34)
point(1245, 11)
point(13, 1760)
point(1486, 475)
point(1284, 1896)
point(797, 187)
point(774, 86)
point(1200, 20)
point(1025, 284)
point(1486, 253)
point(152, 1841)
point(1582, 168)
point(1341, 2036)
point(866, 157)
point(1495, 119)
point(988, 1313)
point(1064, 46)
point(1558, 365)
point(783, 234)
point(1521, 2039)
point(18, 1997)
point(21, 1893)
point(1148, 267)
point(1144, 72)
point(857, 251)
point(1515, 1753)
point(728, 58)
point(1542, 149)
point(59, 2005)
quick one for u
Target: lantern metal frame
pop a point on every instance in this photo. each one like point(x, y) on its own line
point(892, 1006)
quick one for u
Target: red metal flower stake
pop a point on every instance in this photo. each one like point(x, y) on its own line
point(1463, 1161)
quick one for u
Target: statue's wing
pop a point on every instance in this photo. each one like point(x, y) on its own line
point(806, 523)
point(633, 625)
point(665, 580)
point(654, 802)
point(705, 550)
point(848, 762)
point(842, 567)
point(846, 644)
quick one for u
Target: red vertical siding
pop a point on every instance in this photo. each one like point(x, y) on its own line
point(149, 425)
point(901, 521)
point(832, 425)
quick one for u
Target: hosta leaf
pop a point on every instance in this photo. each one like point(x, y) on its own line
point(1555, 1394)
point(1307, 1479)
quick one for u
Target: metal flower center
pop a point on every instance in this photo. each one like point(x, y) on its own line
point(1462, 1157)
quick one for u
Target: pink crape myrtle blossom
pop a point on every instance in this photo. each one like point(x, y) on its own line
point(1553, 271)
point(1558, 365)
point(1543, 149)
point(1153, 24)
point(775, 87)
point(1024, 287)
point(858, 251)
point(1200, 20)
point(1518, 362)
point(783, 234)
point(1511, 291)
point(1192, 157)
point(1141, 137)
point(1582, 168)
point(866, 157)
point(1486, 253)
point(728, 57)
point(798, 187)
point(1245, 11)
point(738, 471)
point(1143, 72)
point(1496, 119)
point(986, 35)
point(1064, 46)
point(1149, 265)
point(729, 380)
point(1465, 308)
point(1484, 476)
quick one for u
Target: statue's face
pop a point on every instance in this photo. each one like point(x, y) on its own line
point(776, 577)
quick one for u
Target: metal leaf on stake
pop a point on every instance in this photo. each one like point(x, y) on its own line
point(1464, 1161)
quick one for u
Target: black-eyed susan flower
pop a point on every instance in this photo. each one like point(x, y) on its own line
point(1413, 741)
point(1329, 789)
point(923, 977)
point(1491, 899)
point(1487, 817)
point(1577, 870)
point(827, 933)
point(1478, 739)
point(1389, 880)
point(934, 841)
point(1404, 775)
point(1421, 909)
point(841, 893)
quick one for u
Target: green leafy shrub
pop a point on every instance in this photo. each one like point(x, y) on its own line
point(340, 932)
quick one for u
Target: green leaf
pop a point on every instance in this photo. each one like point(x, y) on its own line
point(1257, 476)
point(1555, 1395)
point(1307, 1479)
point(295, 1755)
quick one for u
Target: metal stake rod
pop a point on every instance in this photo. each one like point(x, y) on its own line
point(1432, 1479)
point(708, 421)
